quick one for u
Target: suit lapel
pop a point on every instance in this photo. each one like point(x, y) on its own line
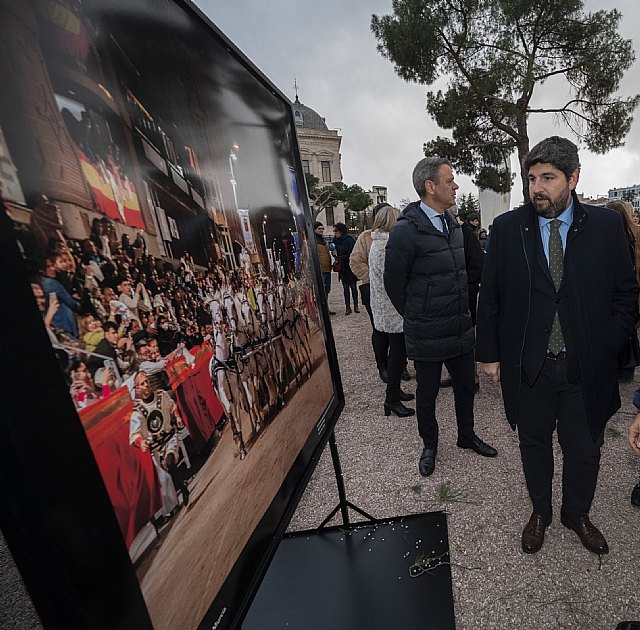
point(541, 258)
point(532, 241)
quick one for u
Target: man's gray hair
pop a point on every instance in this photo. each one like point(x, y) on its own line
point(427, 169)
point(557, 151)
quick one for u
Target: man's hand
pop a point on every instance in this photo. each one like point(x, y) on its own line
point(634, 433)
point(492, 370)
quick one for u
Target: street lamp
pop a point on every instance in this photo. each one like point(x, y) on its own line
point(264, 233)
point(233, 158)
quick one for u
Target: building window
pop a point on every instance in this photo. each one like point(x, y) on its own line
point(326, 171)
point(330, 218)
point(305, 166)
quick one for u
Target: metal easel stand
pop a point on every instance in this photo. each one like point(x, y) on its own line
point(343, 504)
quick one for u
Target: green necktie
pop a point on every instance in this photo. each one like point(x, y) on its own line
point(556, 267)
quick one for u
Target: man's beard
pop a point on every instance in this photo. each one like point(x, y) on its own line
point(555, 206)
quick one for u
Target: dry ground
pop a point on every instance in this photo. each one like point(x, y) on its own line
point(495, 585)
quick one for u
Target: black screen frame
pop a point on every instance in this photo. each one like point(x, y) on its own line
point(56, 517)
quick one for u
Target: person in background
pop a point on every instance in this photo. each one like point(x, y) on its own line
point(629, 357)
point(634, 441)
point(474, 259)
point(482, 237)
point(345, 243)
point(558, 300)
point(359, 263)
point(385, 317)
point(426, 281)
point(325, 259)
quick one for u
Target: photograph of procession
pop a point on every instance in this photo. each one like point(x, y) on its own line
point(153, 187)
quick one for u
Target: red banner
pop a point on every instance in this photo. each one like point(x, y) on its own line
point(129, 474)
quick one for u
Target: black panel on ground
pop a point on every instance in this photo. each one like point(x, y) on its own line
point(369, 577)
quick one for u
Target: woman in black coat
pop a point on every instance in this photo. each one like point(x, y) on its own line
point(344, 243)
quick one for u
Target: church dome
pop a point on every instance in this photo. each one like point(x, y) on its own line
point(307, 118)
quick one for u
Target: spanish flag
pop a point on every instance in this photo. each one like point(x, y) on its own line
point(113, 196)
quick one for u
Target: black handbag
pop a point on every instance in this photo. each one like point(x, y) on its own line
point(629, 356)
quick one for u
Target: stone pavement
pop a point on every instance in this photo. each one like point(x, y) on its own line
point(495, 585)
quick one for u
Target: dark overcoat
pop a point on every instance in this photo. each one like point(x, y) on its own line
point(596, 304)
point(426, 281)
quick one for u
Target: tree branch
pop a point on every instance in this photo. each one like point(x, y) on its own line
point(482, 99)
point(542, 77)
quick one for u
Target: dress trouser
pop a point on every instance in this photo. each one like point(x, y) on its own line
point(349, 287)
point(397, 360)
point(326, 280)
point(552, 402)
point(379, 340)
point(462, 370)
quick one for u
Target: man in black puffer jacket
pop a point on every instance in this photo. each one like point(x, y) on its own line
point(426, 280)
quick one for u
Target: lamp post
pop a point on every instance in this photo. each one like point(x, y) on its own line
point(233, 158)
point(264, 232)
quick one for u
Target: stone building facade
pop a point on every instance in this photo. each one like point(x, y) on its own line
point(320, 154)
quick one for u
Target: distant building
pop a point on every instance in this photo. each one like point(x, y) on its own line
point(492, 204)
point(320, 154)
point(378, 194)
point(593, 201)
point(630, 193)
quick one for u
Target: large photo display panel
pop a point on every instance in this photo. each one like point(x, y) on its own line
point(153, 186)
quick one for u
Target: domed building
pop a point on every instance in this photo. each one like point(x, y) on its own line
point(320, 153)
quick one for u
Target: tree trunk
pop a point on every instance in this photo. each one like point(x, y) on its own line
point(523, 149)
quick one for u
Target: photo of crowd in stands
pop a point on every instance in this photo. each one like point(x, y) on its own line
point(152, 186)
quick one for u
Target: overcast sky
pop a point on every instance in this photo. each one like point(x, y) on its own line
point(328, 46)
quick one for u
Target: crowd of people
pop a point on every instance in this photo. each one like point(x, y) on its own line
point(116, 316)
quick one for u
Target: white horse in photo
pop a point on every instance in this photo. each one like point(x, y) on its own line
point(223, 377)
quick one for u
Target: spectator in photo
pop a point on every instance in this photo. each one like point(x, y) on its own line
point(91, 332)
point(130, 298)
point(106, 348)
point(82, 390)
point(64, 318)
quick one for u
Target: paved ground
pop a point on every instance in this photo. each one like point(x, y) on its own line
point(495, 585)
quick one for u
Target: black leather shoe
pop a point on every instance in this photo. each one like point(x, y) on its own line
point(445, 382)
point(427, 461)
point(404, 396)
point(405, 375)
point(590, 536)
point(533, 533)
point(332, 312)
point(384, 375)
point(477, 445)
point(635, 494)
point(399, 409)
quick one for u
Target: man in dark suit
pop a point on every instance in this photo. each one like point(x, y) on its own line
point(557, 301)
point(426, 280)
